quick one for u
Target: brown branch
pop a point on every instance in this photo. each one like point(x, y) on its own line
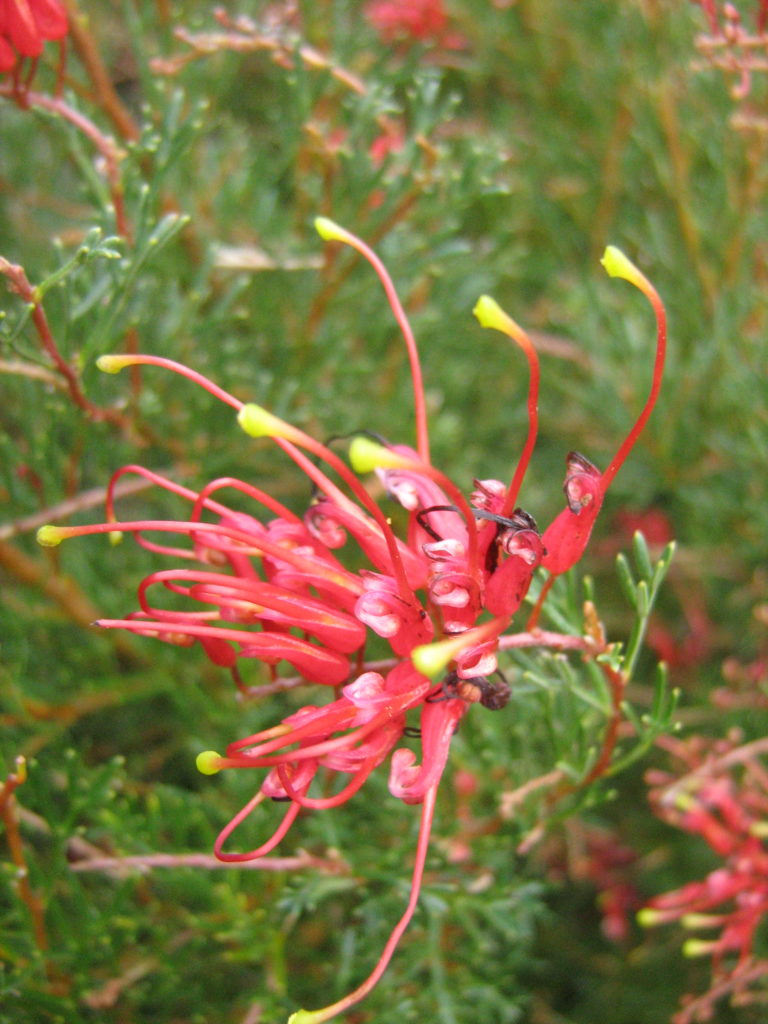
point(88, 52)
point(19, 283)
point(9, 818)
point(244, 36)
point(61, 590)
point(617, 682)
point(65, 509)
point(142, 863)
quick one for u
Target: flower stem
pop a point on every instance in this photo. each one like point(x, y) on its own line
point(354, 997)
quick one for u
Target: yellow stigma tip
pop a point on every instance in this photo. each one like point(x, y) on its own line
point(489, 313)
point(329, 230)
point(257, 422)
point(50, 536)
point(366, 455)
point(619, 265)
point(697, 947)
point(648, 917)
point(694, 921)
point(113, 364)
point(208, 762)
point(432, 659)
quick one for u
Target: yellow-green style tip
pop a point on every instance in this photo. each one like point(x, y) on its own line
point(693, 921)
point(306, 1017)
point(619, 265)
point(487, 311)
point(433, 659)
point(648, 918)
point(330, 231)
point(490, 314)
point(208, 762)
point(366, 455)
point(257, 422)
point(697, 947)
point(50, 536)
point(113, 364)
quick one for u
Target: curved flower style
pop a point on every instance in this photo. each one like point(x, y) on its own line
point(25, 25)
point(442, 596)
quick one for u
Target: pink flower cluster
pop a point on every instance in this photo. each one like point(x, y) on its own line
point(274, 588)
point(25, 25)
point(724, 799)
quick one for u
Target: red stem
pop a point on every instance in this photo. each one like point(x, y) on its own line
point(658, 370)
point(533, 422)
point(422, 431)
point(422, 847)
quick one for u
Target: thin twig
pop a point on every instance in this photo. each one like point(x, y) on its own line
point(19, 283)
point(65, 509)
point(104, 91)
point(143, 863)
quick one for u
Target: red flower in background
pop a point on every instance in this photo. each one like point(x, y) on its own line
point(423, 21)
point(25, 25)
point(724, 799)
point(418, 19)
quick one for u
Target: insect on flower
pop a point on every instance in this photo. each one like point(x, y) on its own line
point(273, 587)
point(493, 695)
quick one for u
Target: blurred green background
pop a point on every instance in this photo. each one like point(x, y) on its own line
point(516, 146)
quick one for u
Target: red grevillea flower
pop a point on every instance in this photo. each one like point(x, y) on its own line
point(415, 19)
point(423, 21)
point(25, 25)
point(723, 799)
point(273, 587)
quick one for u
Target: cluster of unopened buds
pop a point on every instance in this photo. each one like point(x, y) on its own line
point(723, 798)
point(274, 588)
